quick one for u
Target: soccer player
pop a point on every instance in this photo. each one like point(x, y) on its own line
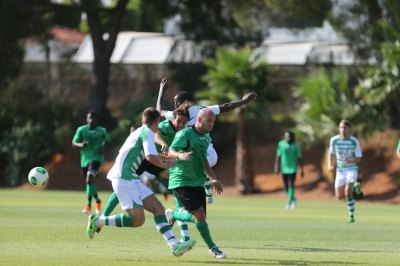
point(345, 154)
point(91, 139)
point(398, 150)
point(288, 157)
point(187, 177)
point(182, 97)
point(132, 194)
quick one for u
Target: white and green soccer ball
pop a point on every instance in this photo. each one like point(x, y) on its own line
point(38, 176)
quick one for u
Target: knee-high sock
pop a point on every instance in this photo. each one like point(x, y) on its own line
point(351, 206)
point(111, 204)
point(202, 227)
point(119, 220)
point(88, 195)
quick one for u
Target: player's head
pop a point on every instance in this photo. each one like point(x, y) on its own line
point(181, 97)
point(344, 128)
point(205, 121)
point(181, 116)
point(91, 119)
point(150, 116)
point(290, 137)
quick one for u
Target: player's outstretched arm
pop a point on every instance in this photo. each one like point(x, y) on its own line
point(161, 92)
point(248, 97)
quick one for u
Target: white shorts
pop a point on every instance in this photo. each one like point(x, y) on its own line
point(212, 156)
point(130, 193)
point(345, 177)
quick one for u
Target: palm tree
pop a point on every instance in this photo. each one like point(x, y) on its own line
point(229, 76)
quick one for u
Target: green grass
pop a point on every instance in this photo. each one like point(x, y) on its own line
point(47, 228)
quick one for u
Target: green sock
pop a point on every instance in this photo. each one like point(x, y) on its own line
point(290, 195)
point(111, 204)
point(184, 216)
point(119, 220)
point(202, 227)
point(163, 227)
point(88, 195)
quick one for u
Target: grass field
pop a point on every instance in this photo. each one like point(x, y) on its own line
point(47, 228)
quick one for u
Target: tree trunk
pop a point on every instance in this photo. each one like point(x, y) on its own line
point(99, 87)
point(244, 172)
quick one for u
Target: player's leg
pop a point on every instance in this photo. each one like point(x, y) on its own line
point(194, 200)
point(153, 205)
point(340, 186)
point(183, 226)
point(127, 192)
point(291, 188)
point(91, 176)
point(285, 178)
point(351, 177)
point(88, 206)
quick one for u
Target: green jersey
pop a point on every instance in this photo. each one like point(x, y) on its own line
point(345, 149)
point(137, 146)
point(189, 173)
point(96, 138)
point(289, 154)
point(398, 146)
point(167, 133)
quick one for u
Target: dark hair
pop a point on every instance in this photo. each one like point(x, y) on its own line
point(291, 136)
point(92, 114)
point(183, 109)
point(150, 115)
point(183, 96)
point(346, 122)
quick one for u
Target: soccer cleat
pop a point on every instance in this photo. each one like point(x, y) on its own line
point(98, 207)
point(183, 247)
point(210, 200)
point(91, 226)
point(168, 214)
point(217, 253)
point(293, 205)
point(87, 209)
point(350, 219)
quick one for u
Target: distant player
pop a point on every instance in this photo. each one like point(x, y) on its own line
point(133, 195)
point(344, 155)
point(288, 158)
point(91, 139)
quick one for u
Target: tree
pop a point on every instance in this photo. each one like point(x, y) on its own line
point(230, 75)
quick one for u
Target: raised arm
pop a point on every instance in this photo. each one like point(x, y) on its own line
point(248, 97)
point(161, 92)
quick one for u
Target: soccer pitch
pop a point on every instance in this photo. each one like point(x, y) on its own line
point(48, 228)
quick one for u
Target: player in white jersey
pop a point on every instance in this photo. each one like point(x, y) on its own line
point(344, 155)
point(183, 96)
point(132, 194)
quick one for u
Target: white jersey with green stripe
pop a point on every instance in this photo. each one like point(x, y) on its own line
point(137, 146)
point(193, 111)
point(345, 149)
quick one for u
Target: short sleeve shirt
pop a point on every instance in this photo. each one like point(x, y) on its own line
point(345, 149)
point(189, 173)
point(96, 138)
point(167, 133)
point(137, 146)
point(289, 153)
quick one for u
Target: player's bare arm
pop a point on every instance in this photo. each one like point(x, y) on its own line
point(248, 97)
point(80, 144)
point(161, 92)
point(184, 156)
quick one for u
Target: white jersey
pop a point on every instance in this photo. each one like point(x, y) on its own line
point(137, 146)
point(345, 149)
point(193, 112)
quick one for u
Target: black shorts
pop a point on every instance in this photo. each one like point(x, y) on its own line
point(192, 198)
point(149, 167)
point(94, 165)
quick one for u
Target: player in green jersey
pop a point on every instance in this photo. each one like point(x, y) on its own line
point(132, 194)
point(344, 155)
point(91, 139)
point(187, 178)
point(288, 157)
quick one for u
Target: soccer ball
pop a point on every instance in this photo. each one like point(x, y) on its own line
point(38, 176)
